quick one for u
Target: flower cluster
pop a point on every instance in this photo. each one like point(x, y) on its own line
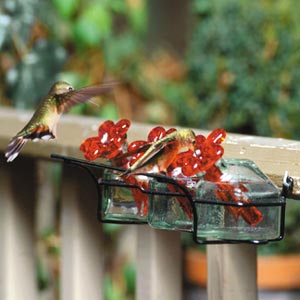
point(207, 152)
point(109, 142)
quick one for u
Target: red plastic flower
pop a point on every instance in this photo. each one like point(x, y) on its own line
point(91, 148)
point(109, 142)
point(228, 192)
point(207, 152)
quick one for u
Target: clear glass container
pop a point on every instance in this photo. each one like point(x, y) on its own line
point(122, 201)
point(244, 205)
point(169, 207)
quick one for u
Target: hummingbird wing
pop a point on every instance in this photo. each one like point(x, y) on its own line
point(130, 153)
point(154, 151)
point(68, 100)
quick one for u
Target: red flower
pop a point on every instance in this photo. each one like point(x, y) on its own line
point(108, 144)
point(91, 148)
point(207, 152)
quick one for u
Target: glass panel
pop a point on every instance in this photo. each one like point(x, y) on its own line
point(169, 212)
point(241, 183)
point(123, 203)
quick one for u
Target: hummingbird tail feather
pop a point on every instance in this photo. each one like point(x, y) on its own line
point(14, 147)
point(17, 143)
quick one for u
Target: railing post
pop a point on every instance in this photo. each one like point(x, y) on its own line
point(158, 264)
point(82, 244)
point(17, 234)
point(232, 272)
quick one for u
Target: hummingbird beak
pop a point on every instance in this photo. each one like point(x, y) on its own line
point(193, 146)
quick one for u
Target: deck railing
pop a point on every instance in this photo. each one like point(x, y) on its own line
point(232, 269)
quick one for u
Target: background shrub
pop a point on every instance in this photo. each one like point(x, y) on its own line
point(244, 63)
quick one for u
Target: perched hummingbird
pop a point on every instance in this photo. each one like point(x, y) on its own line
point(162, 153)
point(42, 125)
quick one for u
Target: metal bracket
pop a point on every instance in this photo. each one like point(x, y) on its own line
point(291, 187)
point(287, 185)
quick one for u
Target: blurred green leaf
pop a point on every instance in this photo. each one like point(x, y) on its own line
point(93, 25)
point(121, 53)
point(202, 7)
point(66, 8)
point(43, 278)
point(111, 290)
point(111, 228)
point(138, 18)
point(118, 6)
point(129, 272)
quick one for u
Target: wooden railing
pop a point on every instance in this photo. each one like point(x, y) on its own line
point(231, 268)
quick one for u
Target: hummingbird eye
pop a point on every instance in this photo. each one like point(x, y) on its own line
point(70, 88)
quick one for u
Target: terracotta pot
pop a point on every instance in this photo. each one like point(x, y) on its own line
point(280, 272)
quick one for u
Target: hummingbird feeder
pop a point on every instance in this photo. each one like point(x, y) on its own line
point(216, 200)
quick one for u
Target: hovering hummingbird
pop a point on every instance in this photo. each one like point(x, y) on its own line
point(160, 154)
point(42, 125)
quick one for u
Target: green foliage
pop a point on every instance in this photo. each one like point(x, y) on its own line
point(43, 278)
point(244, 64)
point(66, 8)
point(110, 29)
point(93, 25)
point(28, 63)
point(129, 273)
point(111, 290)
point(125, 290)
point(38, 38)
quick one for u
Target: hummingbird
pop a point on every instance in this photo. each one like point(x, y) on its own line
point(160, 155)
point(42, 125)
